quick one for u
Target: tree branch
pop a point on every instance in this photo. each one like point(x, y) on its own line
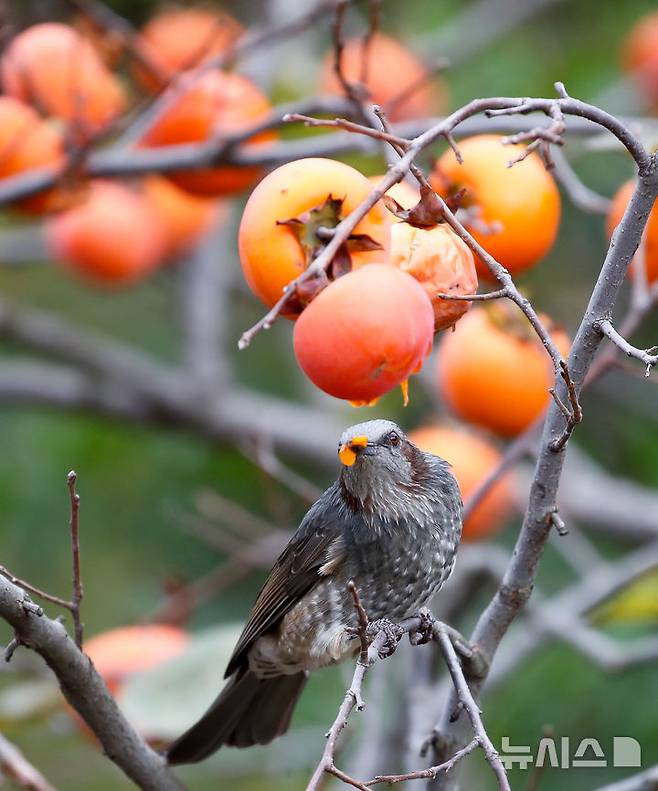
point(645, 356)
point(16, 767)
point(517, 583)
point(85, 690)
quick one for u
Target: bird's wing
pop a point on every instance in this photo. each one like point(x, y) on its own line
point(317, 543)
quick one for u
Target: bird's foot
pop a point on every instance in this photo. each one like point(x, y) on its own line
point(392, 634)
point(425, 631)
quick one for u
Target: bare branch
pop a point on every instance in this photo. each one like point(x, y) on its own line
point(465, 697)
point(85, 690)
point(516, 586)
point(502, 293)
point(431, 772)
point(15, 766)
point(78, 592)
point(645, 356)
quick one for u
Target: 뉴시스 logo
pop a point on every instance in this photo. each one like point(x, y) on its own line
point(562, 754)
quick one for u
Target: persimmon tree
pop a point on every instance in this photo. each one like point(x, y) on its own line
point(371, 272)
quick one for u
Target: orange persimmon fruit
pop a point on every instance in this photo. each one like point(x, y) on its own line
point(118, 653)
point(521, 204)
point(271, 253)
point(617, 208)
point(473, 458)
point(179, 39)
point(493, 370)
point(27, 142)
point(441, 262)
point(365, 333)
point(114, 237)
point(184, 217)
point(395, 78)
point(212, 104)
point(53, 67)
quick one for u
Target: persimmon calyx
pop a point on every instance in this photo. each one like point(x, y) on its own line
point(313, 230)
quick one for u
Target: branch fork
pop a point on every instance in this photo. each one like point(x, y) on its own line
point(646, 356)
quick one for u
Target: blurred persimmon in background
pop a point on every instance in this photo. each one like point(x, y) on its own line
point(210, 106)
point(180, 38)
point(392, 75)
point(114, 237)
point(58, 71)
point(472, 458)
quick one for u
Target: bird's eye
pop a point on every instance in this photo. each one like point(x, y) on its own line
point(394, 438)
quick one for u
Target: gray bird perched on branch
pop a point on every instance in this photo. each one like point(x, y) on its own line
point(391, 523)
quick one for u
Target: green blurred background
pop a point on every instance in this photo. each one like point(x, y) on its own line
point(136, 482)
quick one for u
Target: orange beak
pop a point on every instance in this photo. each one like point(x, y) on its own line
point(347, 452)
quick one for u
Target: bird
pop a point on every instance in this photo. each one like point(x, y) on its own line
point(391, 525)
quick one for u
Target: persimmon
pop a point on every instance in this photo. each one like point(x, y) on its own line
point(180, 38)
point(473, 459)
point(493, 370)
point(619, 203)
point(640, 54)
point(394, 77)
point(272, 252)
point(114, 237)
point(521, 204)
point(365, 333)
point(184, 217)
point(130, 649)
point(27, 143)
point(213, 104)
point(441, 262)
point(53, 67)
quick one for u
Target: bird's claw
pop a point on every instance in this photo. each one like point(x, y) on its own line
point(393, 633)
point(425, 630)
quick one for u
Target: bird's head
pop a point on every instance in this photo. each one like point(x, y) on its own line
point(375, 454)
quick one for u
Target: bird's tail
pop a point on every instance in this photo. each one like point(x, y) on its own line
point(248, 711)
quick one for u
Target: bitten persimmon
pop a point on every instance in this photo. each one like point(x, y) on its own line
point(184, 217)
point(129, 649)
point(180, 38)
point(392, 73)
point(53, 67)
point(441, 262)
point(619, 203)
point(213, 104)
point(473, 459)
point(365, 333)
point(271, 252)
point(114, 237)
point(493, 370)
point(27, 143)
point(522, 200)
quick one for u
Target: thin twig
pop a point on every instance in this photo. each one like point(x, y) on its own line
point(501, 293)
point(431, 772)
point(78, 591)
point(470, 706)
point(645, 356)
point(36, 591)
point(16, 767)
point(362, 629)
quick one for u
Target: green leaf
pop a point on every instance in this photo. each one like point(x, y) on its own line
point(163, 701)
point(28, 700)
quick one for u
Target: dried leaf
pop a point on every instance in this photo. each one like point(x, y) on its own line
point(427, 213)
point(361, 242)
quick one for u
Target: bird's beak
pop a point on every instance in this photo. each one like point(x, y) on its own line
point(347, 452)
